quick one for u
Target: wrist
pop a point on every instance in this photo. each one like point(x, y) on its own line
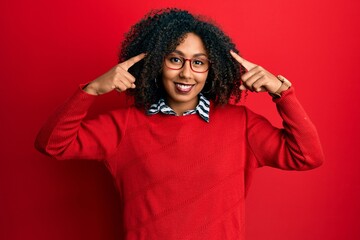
point(90, 89)
point(285, 85)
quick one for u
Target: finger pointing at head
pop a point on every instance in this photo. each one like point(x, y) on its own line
point(248, 65)
point(131, 61)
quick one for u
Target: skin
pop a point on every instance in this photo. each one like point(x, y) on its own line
point(178, 100)
point(118, 78)
point(256, 79)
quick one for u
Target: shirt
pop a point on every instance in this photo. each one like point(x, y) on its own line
point(178, 177)
point(203, 108)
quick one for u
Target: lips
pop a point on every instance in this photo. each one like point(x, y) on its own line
point(184, 88)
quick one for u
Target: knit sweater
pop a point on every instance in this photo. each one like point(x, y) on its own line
point(180, 177)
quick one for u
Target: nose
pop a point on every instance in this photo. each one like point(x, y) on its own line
point(186, 69)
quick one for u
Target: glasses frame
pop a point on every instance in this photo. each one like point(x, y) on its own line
point(183, 64)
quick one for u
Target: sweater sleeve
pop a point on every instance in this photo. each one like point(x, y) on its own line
point(294, 147)
point(68, 135)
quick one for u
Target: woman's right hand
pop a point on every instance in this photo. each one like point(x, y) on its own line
point(117, 78)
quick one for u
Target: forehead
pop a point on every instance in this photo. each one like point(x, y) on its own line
point(191, 45)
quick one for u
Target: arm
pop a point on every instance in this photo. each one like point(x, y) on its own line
point(66, 135)
point(295, 147)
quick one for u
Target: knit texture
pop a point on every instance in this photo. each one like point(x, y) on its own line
point(179, 177)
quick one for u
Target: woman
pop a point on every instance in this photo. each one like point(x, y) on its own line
point(181, 156)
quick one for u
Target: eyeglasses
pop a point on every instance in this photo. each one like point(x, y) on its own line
point(198, 64)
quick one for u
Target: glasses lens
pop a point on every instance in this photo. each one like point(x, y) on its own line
point(176, 62)
point(200, 64)
point(173, 61)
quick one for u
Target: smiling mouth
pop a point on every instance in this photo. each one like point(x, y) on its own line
point(184, 88)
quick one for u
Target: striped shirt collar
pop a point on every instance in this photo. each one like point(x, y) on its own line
point(203, 108)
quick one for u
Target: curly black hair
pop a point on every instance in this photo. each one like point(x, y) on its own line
point(158, 34)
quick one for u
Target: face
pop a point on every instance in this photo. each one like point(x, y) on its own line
point(183, 86)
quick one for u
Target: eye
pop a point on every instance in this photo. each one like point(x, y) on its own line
point(175, 59)
point(198, 62)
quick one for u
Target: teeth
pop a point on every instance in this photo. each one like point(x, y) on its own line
point(183, 87)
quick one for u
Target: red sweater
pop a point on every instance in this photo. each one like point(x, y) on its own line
point(180, 177)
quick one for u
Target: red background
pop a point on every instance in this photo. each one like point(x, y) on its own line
point(49, 47)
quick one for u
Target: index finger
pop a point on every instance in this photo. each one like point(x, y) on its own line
point(131, 61)
point(248, 65)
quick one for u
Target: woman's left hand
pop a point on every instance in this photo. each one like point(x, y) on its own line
point(256, 78)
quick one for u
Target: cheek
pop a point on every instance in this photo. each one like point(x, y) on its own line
point(167, 79)
point(202, 79)
point(167, 75)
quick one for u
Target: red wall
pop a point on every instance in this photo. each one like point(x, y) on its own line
point(49, 47)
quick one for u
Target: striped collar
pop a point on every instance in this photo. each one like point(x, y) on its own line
point(203, 108)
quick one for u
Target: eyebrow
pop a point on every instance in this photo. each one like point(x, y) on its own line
point(195, 55)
